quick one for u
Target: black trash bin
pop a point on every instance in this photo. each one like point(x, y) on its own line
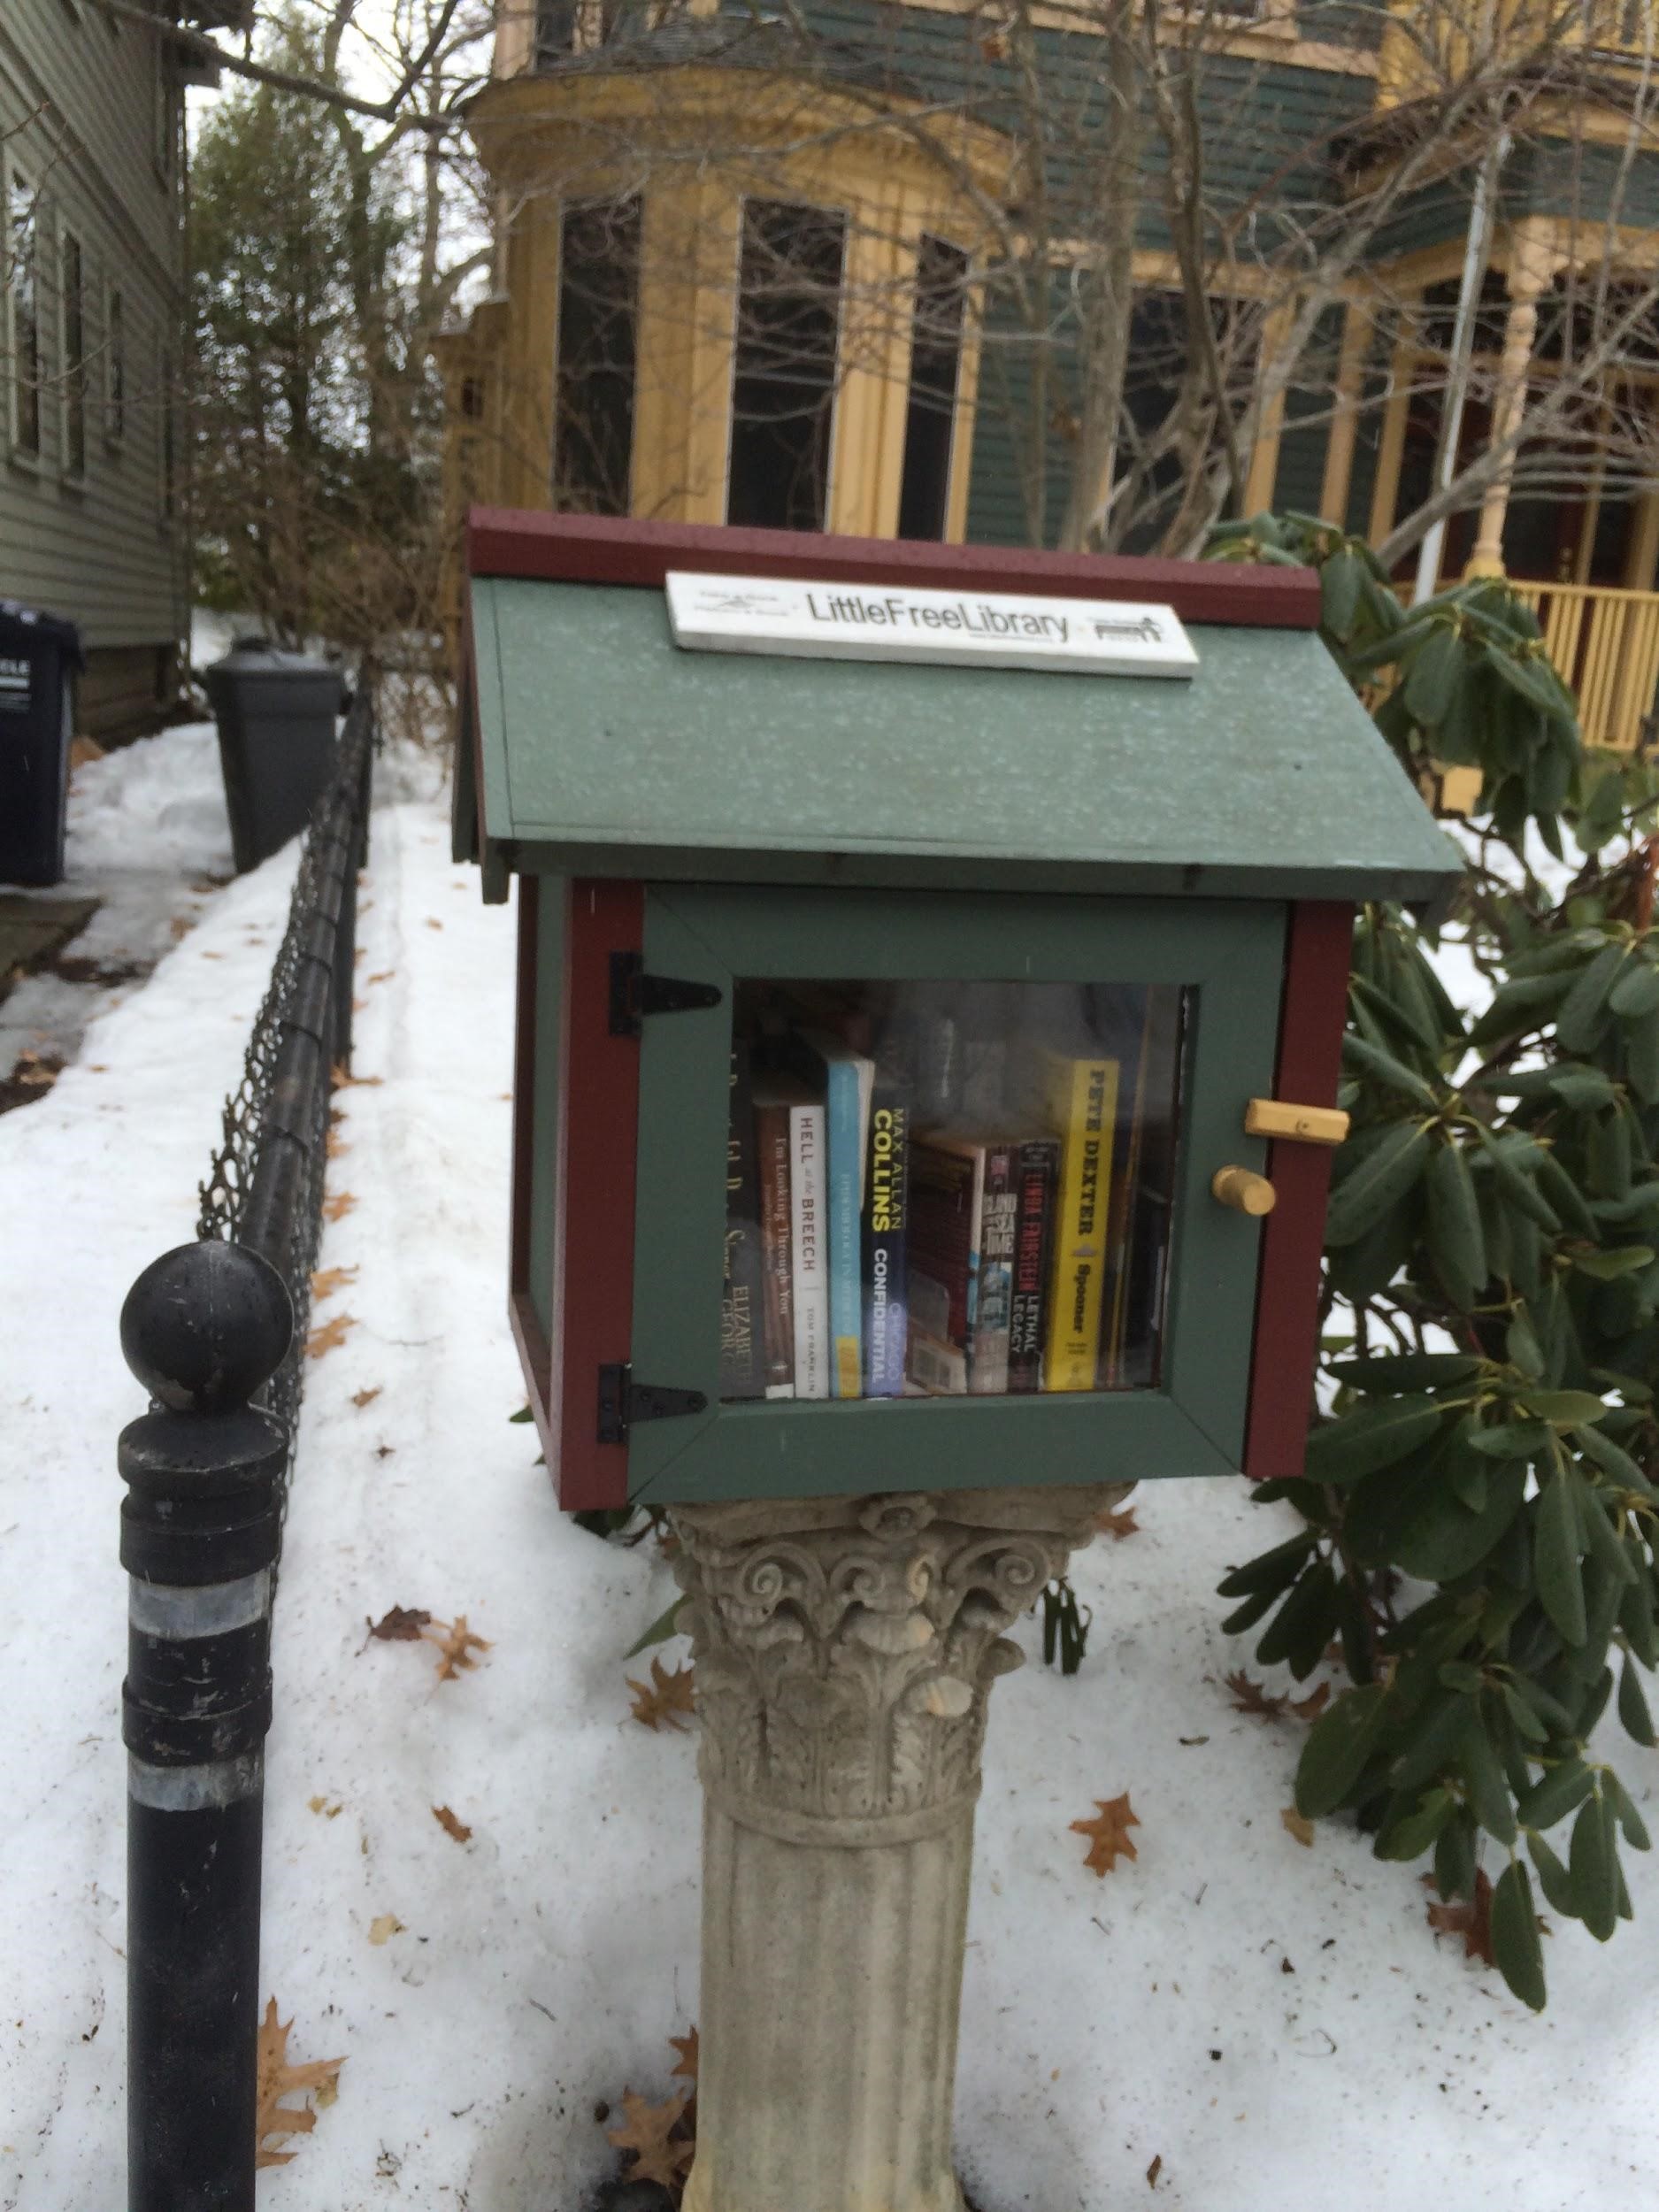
point(276, 713)
point(39, 656)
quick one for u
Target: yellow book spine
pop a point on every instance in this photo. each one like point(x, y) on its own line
point(1083, 1110)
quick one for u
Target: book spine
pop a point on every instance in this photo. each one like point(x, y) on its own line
point(845, 1175)
point(772, 1141)
point(1084, 1104)
point(742, 1373)
point(886, 1205)
point(808, 1256)
point(994, 1279)
point(1033, 1219)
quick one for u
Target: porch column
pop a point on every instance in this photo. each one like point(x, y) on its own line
point(845, 1649)
point(1532, 264)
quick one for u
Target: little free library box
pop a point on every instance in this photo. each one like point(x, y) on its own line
point(932, 969)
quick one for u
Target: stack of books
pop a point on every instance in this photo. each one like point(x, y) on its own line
point(876, 1249)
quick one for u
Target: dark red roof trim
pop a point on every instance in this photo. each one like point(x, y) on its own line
point(594, 550)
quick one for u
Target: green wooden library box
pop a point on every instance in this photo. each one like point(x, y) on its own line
point(932, 964)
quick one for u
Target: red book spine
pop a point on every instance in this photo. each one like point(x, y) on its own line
point(1039, 1162)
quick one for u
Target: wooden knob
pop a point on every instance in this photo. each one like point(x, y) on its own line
point(1243, 1188)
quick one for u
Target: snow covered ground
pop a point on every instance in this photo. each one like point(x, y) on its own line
point(1276, 2024)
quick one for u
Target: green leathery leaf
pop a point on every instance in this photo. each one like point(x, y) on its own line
point(1600, 1537)
point(1607, 1267)
point(1433, 673)
point(1393, 1004)
point(1456, 1241)
point(1635, 1828)
point(1412, 1518)
point(1364, 1269)
point(1371, 1436)
point(1387, 1171)
point(1408, 1835)
point(1566, 1409)
point(1556, 1794)
point(1593, 1861)
point(1525, 1719)
point(1565, 1196)
point(1274, 1569)
point(1301, 1627)
point(1338, 1745)
point(659, 1632)
point(1433, 1742)
point(1562, 949)
point(1341, 580)
point(1512, 1440)
point(1553, 1877)
point(1469, 1479)
point(1456, 1857)
point(1611, 1458)
point(1556, 1558)
point(1371, 1060)
point(1632, 1707)
point(1641, 1058)
point(1245, 1616)
point(1584, 1089)
point(1405, 1370)
point(1636, 992)
point(1636, 1620)
point(1609, 1148)
point(1515, 1943)
point(1521, 1347)
point(1522, 1191)
point(1489, 1792)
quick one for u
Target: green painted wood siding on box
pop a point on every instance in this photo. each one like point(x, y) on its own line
point(1192, 1425)
point(609, 751)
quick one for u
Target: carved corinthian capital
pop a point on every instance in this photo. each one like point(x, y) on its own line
point(845, 1647)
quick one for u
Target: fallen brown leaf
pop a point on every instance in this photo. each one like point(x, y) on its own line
point(667, 1700)
point(339, 1206)
point(402, 1625)
point(384, 976)
point(321, 1805)
point(433, 925)
point(1108, 1833)
point(1250, 1696)
point(367, 1397)
point(456, 1645)
point(1310, 1706)
point(649, 2136)
point(334, 1144)
point(277, 2079)
point(1154, 2170)
point(1297, 1825)
point(327, 1336)
point(1118, 1524)
point(384, 1926)
point(326, 1281)
point(342, 1079)
point(1470, 1917)
point(686, 2046)
point(450, 1826)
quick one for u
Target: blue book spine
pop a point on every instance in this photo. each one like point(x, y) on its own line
point(846, 1162)
point(887, 1206)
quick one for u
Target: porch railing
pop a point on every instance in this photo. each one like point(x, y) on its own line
point(1605, 644)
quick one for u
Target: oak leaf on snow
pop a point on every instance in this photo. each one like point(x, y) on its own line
point(1108, 1833)
point(666, 1700)
point(277, 2079)
point(648, 2134)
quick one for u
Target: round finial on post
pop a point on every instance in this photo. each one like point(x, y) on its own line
point(205, 1325)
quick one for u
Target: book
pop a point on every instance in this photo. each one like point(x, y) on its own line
point(1080, 1101)
point(846, 1080)
point(742, 1373)
point(886, 1210)
point(772, 1152)
point(809, 1224)
point(993, 1282)
point(1036, 1164)
point(946, 1195)
point(1143, 1194)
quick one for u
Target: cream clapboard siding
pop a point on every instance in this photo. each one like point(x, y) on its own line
point(83, 110)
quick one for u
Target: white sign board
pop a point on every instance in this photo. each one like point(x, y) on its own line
point(897, 622)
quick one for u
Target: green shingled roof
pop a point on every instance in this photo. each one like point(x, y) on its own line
point(602, 749)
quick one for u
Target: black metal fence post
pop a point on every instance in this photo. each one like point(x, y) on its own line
point(203, 1329)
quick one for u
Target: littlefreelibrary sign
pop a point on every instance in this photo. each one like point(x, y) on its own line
point(872, 622)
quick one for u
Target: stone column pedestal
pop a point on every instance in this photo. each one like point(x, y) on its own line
point(845, 1650)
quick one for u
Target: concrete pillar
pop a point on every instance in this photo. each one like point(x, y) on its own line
point(845, 1649)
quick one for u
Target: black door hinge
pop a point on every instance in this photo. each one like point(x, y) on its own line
point(634, 995)
point(623, 1402)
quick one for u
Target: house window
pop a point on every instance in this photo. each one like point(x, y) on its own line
point(115, 366)
point(598, 320)
point(23, 296)
point(72, 307)
point(783, 385)
point(935, 366)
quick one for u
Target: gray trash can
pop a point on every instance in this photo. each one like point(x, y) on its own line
point(276, 713)
point(39, 655)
